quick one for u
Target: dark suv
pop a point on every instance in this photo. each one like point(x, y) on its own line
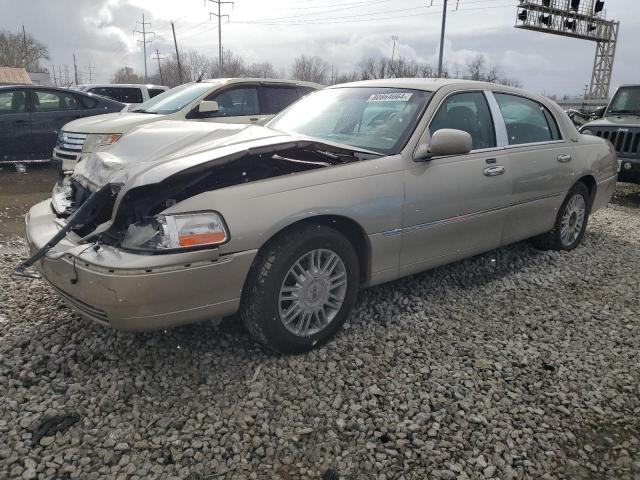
point(31, 117)
point(620, 124)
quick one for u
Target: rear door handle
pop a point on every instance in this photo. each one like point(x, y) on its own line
point(494, 171)
point(564, 158)
point(253, 119)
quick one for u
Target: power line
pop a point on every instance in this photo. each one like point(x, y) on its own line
point(358, 19)
point(144, 41)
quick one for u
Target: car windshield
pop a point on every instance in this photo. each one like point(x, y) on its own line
point(372, 118)
point(626, 100)
point(175, 99)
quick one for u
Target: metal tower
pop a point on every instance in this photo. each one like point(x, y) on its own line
point(582, 19)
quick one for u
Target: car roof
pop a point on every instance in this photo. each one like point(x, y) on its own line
point(426, 84)
point(128, 85)
point(227, 81)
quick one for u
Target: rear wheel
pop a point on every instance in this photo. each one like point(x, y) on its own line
point(571, 221)
point(301, 289)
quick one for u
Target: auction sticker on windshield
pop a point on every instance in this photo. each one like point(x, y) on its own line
point(390, 97)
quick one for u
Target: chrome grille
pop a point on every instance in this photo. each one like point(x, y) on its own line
point(625, 140)
point(71, 141)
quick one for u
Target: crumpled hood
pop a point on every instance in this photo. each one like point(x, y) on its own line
point(120, 122)
point(616, 121)
point(168, 147)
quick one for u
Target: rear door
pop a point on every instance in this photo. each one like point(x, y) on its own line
point(456, 206)
point(540, 160)
point(15, 124)
point(51, 109)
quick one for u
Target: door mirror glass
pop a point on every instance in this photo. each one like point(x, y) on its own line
point(208, 106)
point(445, 142)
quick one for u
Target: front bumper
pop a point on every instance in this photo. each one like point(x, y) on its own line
point(135, 292)
point(629, 170)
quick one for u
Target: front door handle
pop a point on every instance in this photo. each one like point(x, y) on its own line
point(253, 119)
point(494, 171)
point(564, 158)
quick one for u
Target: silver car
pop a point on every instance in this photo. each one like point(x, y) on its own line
point(352, 186)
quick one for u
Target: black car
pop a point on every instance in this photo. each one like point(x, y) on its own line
point(31, 116)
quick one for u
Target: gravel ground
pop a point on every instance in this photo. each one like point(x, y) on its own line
point(512, 364)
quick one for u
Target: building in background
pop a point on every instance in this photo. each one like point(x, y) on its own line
point(15, 76)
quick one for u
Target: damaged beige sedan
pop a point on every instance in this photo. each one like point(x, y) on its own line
point(352, 186)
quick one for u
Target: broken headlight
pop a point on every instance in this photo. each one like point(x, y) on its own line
point(174, 232)
point(97, 141)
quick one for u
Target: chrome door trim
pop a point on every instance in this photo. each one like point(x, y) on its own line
point(458, 218)
point(499, 125)
point(494, 171)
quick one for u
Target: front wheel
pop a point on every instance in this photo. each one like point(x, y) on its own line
point(301, 289)
point(571, 221)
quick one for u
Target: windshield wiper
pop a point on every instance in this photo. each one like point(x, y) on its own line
point(140, 110)
point(623, 112)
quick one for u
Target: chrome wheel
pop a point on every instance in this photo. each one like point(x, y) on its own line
point(312, 292)
point(573, 218)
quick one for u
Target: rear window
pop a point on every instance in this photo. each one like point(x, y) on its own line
point(120, 94)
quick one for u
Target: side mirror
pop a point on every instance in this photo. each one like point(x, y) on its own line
point(599, 112)
point(444, 142)
point(208, 106)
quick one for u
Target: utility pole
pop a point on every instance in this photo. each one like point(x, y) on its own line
point(394, 39)
point(173, 29)
point(55, 78)
point(158, 57)
point(444, 24)
point(220, 15)
point(90, 72)
point(24, 47)
point(144, 41)
point(75, 68)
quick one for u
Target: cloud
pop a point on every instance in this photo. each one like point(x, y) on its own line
point(100, 31)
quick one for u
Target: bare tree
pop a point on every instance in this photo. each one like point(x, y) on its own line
point(311, 69)
point(18, 50)
point(261, 70)
point(127, 75)
point(475, 68)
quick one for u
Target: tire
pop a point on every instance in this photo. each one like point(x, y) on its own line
point(275, 291)
point(555, 240)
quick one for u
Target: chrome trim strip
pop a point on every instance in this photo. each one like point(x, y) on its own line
point(534, 144)
point(458, 218)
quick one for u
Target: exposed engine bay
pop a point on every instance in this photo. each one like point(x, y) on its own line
point(70, 199)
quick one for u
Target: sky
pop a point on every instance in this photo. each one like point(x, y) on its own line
point(340, 31)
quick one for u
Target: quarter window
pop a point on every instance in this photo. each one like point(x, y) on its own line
point(12, 101)
point(470, 113)
point(54, 101)
point(236, 102)
point(155, 91)
point(527, 121)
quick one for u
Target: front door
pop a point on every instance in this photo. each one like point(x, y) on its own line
point(51, 109)
point(15, 124)
point(456, 206)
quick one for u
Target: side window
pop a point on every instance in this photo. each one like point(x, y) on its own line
point(527, 121)
point(469, 112)
point(235, 102)
point(154, 91)
point(87, 101)
point(302, 91)
point(127, 94)
point(276, 99)
point(54, 101)
point(102, 91)
point(13, 101)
